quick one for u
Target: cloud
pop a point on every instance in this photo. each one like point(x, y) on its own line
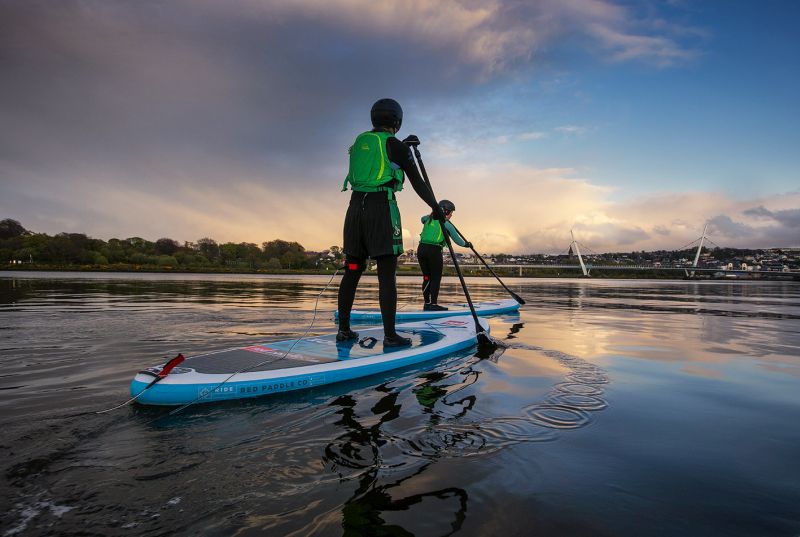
point(759, 211)
point(725, 226)
point(504, 208)
point(532, 136)
point(623, 46)
point(621, 234)
point(120, 81)
point(678, 218)
point(232, 119)
point(244, 211)
point(499, 35)
point(504, 139)
point(571, 129)
point(788, 217)
point(518, 209)
point(661, 230)
point(470, 30)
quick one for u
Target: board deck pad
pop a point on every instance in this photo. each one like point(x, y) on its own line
point(494, 307)
point(271, 367)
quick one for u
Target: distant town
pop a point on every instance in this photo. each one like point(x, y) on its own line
point(770, 259)
point(781, 263)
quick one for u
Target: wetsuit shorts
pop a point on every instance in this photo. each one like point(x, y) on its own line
point(368, 228)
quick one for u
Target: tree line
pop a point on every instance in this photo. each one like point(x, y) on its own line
point(19, 245)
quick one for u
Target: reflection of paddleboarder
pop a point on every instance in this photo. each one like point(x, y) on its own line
point(377, 508)
point(374, 500)
point(372, 228)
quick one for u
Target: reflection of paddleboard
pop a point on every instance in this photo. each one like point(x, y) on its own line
point(481, 308)
point(313, 361)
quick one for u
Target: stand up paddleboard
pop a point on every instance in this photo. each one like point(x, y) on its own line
point(267, 368)
point(481, 308)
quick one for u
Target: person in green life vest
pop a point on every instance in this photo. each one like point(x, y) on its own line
point(379, 164)
point(429, 253)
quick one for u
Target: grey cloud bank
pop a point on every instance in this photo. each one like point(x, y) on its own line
point(232, 119)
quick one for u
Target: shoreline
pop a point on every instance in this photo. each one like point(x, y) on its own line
point(471, 272)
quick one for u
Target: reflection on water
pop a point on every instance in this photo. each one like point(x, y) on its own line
point(612, 406)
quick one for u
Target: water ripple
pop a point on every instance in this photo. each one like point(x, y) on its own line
point(557, 416)
point(450, 433)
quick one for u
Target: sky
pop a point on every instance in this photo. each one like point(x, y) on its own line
point(633, 124)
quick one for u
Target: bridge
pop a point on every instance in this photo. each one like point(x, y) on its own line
point(689, 270)
point(588, 267)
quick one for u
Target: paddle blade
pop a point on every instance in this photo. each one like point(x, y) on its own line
point(485, 343)
point(516, 297)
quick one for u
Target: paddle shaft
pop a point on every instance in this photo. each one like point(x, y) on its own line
point(478, 328)
point(514, 295)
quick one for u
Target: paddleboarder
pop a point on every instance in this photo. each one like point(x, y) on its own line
point(429, 252)
point(379, 163)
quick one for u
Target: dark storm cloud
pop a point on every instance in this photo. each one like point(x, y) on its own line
point(116, 115)
point(789, 218)
point(664, 231)
point(148, 85)
point(725, 226)
point(759, 211)
point(160, 98)
point(785, 227)
point(784, 231)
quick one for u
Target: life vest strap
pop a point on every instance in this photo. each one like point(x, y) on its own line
point(389, 190)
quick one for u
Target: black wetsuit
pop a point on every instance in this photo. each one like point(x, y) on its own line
point(368, 234)
point(431, 262)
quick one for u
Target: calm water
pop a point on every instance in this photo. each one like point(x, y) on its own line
point(618, 408)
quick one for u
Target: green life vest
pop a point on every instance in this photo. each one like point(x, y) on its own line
point(370, 168)
point(432, 233)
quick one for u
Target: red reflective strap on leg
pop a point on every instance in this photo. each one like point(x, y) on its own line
point(352, 266)
point(426, 278)
point(169, 365)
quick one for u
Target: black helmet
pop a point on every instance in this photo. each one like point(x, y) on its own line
point(447, 206)
point(386, 113)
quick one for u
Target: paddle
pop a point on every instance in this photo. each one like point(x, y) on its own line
point(514, 295)
point(480, 333)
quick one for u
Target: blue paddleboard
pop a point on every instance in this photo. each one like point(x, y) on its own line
point(481, 308)
point(267, 368)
